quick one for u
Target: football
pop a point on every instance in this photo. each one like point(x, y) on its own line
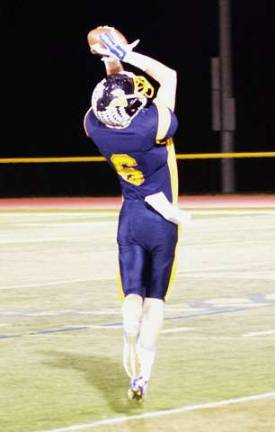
point(93, 35)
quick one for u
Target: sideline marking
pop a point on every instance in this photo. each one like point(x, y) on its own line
point(188, 408)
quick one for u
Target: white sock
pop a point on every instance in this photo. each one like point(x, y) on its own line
point(132, 312)
point(151, 324)
point(147, 357)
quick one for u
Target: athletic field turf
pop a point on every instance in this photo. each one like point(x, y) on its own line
point(60, 325)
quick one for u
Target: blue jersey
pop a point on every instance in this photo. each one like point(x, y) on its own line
point(143, 166)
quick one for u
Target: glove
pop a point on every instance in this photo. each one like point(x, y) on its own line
point(97, 48)
point(112, 45)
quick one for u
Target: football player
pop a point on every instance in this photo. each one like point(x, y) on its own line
point(133, 129)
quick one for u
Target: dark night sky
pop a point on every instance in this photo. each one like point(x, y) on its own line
point(49, 75)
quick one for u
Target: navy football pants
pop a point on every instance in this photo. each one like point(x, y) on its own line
point(147, 245)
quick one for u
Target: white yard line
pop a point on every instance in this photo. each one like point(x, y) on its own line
point(66, 224)
point(63, 312)
point(233, 212)
point(93, 214)
point(154, 414)
point(177, 330)
point(106, 327)
point(171, 330)
point(54, 214)
point(47, 239)
point(119, 326)
point(260, 333)
point(52, 283)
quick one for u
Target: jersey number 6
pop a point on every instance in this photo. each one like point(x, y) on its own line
point(124, 165)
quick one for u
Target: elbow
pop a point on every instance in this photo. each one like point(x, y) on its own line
point(168, 78)
point(173, 73)
point(171, 76)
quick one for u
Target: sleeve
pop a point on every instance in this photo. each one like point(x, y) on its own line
point(167, 124)
point(146, 124)
point(173, 125)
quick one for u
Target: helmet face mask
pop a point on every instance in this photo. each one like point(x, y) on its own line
point(117, 99)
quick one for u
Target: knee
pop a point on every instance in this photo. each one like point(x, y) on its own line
point(152, 321)
point(152, 306)
point(153, 309)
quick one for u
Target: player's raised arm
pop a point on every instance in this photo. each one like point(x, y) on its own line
point(111, 45)
point(166, 96)
point(165, 76)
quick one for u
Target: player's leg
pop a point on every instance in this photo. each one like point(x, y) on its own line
point(162, 263)
point(132, 265)
point(151, 325)
point(131, 312)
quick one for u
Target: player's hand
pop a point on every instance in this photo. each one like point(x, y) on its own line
point(97, 49)
point(111, 46)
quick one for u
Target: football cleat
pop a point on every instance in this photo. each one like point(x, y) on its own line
point(137, 389)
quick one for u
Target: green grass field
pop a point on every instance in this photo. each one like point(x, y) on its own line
point(61, 337)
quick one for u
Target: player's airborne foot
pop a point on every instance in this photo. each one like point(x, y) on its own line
point(138, 388)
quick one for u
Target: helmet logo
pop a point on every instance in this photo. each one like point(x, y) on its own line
point(119, 102)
